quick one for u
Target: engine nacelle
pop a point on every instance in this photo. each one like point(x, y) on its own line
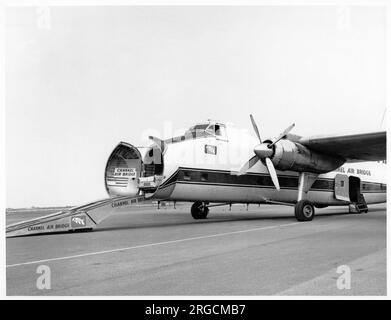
point(293, 156)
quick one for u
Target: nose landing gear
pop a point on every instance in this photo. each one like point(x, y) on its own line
point(199, 210)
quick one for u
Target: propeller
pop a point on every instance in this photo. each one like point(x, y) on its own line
point(248, 165)
point(255, 128)
point(272, 172)
point(264, 151)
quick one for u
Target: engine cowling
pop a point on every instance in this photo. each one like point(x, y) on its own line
point(289, 155)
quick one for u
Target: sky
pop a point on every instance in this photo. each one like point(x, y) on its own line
point(80, 79)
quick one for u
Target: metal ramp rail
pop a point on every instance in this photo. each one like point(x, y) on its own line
point(84, 217)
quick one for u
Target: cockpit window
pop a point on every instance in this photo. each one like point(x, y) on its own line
point(202, 130)
point(216, 130)
point(211, 129)
point(199, 127)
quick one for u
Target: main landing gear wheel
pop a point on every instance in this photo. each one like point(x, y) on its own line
point(199, 210)
point(304, 211)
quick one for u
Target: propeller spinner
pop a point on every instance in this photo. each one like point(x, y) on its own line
point(263, 151)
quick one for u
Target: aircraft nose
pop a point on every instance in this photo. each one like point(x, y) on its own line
point(263, 151)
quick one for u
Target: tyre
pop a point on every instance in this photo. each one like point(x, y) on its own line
point(198, 210)
point(304, 211)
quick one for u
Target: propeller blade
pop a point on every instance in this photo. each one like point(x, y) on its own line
point(250, 163)
point(255, 128)
point(282, 135)
point(272, 172)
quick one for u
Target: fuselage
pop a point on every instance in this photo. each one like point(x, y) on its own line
point(203, 168)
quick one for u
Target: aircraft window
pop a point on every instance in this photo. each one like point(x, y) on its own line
point(322, 184)
point(202, 130)
point(199, 130)
point(210, 149)
point(222, 132)
point(199, 127)
point(216, 129)
point(204, 177)
point(186, 176)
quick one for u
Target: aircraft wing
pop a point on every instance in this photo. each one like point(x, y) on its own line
point(353, 147)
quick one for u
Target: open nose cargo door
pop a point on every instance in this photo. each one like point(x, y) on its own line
point(131, 172)
point(128, 180)
point(123, 170)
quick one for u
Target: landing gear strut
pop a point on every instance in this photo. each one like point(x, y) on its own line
point(199, 210)
point(304, 209)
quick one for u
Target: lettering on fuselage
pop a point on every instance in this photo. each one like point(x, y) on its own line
point(364, 172)
point(353, 171)
point(119, 204)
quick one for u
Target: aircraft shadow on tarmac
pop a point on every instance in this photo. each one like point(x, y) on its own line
point(224, 218)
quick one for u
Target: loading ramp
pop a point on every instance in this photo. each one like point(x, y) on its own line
point(81, 218)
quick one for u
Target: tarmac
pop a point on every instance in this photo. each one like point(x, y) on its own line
point(142, 251)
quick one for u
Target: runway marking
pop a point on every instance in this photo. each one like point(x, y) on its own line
point(151, 245)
